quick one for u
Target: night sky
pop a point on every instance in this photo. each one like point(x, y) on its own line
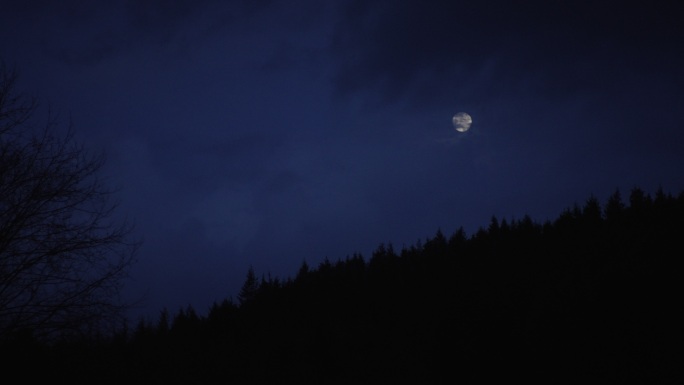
point(268, 133)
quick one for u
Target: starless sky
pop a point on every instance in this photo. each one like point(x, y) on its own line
point(268, 133)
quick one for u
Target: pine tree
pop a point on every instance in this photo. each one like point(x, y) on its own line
point(249, 288)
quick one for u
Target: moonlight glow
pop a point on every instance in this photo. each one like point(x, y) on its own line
point(462, 121)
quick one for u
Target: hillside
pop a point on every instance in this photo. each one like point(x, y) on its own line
point(594, 295)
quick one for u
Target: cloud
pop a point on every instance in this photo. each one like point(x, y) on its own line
point(398, 48)
point(228, 216)
point(86, 33)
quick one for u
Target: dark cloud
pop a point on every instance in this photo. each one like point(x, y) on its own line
point(554, 48)
point(86, 33)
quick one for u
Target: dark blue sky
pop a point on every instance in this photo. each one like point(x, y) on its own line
point(266, 133)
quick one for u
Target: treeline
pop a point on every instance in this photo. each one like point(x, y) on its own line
point(595, 294)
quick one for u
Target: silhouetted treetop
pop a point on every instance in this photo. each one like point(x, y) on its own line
point(590, 295)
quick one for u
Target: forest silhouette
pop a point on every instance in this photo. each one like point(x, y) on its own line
point(593, 295)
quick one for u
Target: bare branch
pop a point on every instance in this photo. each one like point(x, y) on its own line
point(62, 257)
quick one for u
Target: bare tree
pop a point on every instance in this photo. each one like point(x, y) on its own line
point(63, 257)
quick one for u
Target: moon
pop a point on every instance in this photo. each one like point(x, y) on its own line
point(462, 121)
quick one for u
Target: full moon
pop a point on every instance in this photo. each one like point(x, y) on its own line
point(462, 121)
